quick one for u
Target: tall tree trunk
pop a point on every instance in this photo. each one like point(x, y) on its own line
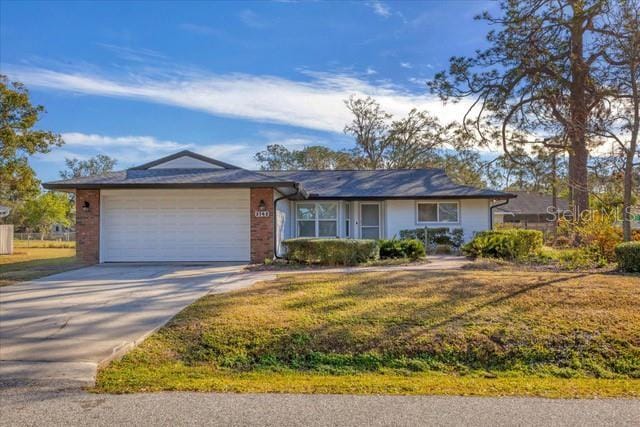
point(628, 167)
point(554, 193)
point(578, 106)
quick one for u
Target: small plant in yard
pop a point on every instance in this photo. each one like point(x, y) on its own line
point(511, 244)
point(628, 257)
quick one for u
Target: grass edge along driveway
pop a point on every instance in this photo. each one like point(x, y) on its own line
point(35, 262)
point(452, 333)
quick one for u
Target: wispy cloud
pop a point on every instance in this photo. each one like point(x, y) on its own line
point(133, 54)
point(379, 8)
point(406, 65)
point(316, 102)
point(252, 19)
point(131, 150)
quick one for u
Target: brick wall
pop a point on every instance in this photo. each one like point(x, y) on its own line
point(88, 226)
point(262, 233)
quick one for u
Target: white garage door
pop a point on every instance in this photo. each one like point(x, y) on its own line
point(175, 225)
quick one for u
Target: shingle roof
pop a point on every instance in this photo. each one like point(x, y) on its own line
point(394, 183)
point(531, 203)
point(336, 184)
point(145, 178)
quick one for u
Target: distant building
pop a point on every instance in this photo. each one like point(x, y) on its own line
point(529, 210)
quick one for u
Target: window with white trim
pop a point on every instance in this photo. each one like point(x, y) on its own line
point(438, 212)
point(317, 219)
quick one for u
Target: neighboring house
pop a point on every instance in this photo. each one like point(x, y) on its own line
point(530, 210)
point(188, 207)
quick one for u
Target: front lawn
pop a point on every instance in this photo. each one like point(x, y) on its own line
point(432, 332)
point(32, 263)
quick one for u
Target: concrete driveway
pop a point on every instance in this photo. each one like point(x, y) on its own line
point(61, 327)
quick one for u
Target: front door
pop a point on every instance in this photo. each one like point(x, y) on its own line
point(369, 220)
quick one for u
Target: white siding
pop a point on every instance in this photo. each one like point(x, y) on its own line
point(401, 215)
point(185, 162)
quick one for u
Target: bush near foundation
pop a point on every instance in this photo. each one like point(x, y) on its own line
point(331, 251)
point(405, 248)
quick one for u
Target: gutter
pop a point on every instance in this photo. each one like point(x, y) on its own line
point(275, 217)
point(491, 212)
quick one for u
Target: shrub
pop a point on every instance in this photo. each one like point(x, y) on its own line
point(436, 236)
point(507, 244)
point(412, 248)
point(628, 257)
point(391, 249)
point(581, 258)
point(442, 250)
point(330, 251)
point(405, 248)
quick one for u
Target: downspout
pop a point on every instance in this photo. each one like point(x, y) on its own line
point(491, 212)
point(275, 220)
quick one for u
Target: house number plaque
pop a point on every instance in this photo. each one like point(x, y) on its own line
point(262, 214)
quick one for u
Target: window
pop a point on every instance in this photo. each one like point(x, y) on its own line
point(317, 219)
point(438, 212)
point(347, 219)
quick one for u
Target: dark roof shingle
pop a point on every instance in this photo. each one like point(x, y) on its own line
point(171, 177)
point(387, 183)
point(531, 203)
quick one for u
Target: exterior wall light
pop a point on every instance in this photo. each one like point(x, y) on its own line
point(86, 206)
point(262, 206)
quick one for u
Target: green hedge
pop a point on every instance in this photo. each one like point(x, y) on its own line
point(436, 236)
point(406, 248)
point(628, 256)
point(330, 251)
point(506, 244)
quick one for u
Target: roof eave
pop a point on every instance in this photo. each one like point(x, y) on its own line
point(72, 186)
point(409, 197)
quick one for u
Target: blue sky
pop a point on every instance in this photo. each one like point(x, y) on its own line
point(139, 80)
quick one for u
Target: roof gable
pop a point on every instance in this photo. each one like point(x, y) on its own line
point(185, 160)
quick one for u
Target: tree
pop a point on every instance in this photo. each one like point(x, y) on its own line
point(541, 76)
point(98, 165)
point(18, 140)
point(369, 127)
point(413, 140)
point(42, 212)
point(621, 120)
point(278, 157)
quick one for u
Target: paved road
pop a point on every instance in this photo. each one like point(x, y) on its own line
point(48, 407)
point(60, 327)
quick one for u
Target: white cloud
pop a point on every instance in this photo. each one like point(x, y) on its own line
point(316, 103)
point(370, 71)
point(406, 65)
point(379, 8)
point(132, 150)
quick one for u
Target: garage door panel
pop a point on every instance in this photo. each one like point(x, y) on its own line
point(175, 225)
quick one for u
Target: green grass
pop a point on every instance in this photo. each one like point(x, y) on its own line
point(454, 332)
point(43, 244)
point(32, 263)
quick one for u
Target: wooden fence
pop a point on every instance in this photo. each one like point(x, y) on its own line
point(6, 239)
